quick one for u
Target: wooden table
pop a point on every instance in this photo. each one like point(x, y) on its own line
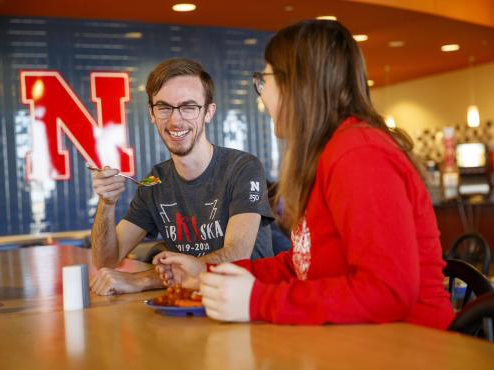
point(122, 333)
point(44, 238)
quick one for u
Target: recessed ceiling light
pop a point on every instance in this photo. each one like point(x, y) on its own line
point(450, 47)
point(133, 35)
point(250, 41)
point(327, 17)
point(184, 7)
point(288, 8)
point(370, 82)
point(396, 44)
point(360, 38)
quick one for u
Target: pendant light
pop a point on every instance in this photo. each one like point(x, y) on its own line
point(473, 116)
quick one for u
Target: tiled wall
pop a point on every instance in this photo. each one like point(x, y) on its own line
point(77, 47)
point(429, 143)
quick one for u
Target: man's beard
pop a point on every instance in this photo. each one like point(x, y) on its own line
point(183, 151)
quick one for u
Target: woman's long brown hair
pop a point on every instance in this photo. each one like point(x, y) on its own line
point(322, 79)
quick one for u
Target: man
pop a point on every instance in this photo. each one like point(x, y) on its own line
point(212, 201)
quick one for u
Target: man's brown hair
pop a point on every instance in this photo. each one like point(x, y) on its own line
point(175, 67)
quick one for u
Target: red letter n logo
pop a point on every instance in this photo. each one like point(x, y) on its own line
point(55, 108)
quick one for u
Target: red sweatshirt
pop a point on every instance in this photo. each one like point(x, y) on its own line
point(367, 250)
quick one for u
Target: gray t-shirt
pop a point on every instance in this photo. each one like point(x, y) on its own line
point(192, 216)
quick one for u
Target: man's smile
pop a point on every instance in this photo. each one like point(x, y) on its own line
point(176, 134)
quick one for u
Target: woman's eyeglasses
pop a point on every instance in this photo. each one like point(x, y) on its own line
point(258, 80)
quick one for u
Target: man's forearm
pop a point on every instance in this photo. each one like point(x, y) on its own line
point(109, 281)
point(148, 279)
point(104, 244)
point(228, 253)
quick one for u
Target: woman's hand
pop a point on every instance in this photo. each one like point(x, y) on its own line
point(226, 292)
point(177, 268)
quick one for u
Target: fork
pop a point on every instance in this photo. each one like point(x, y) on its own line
point(88, 166)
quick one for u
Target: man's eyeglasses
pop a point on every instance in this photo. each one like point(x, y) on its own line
point(258, 80)
point(187, 111)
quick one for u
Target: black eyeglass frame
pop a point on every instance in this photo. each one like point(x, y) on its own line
point(258, 81)
point(179, 110)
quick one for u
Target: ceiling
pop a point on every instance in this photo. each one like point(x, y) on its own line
point(422, 33)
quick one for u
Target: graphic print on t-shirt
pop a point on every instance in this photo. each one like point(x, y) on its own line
point(213, 208)
point(301, 249)
point(255, 192)
point(190, 233)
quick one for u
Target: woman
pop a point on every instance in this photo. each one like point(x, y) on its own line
point(365, 244)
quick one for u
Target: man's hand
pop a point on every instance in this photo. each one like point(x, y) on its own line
point(226, 292)
point(177, 268)
point(108, 282)
point(107, 185)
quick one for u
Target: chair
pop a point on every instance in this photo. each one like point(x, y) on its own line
point(476, 318)
point(473, 248)
point(475, 281)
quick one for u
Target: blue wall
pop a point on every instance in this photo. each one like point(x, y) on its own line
point(77, 47)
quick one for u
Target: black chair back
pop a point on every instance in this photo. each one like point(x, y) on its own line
point(475, 281)
point(476, 318)
point(473, 248)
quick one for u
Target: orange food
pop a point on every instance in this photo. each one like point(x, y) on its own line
point(188, 303)
point(177, 296)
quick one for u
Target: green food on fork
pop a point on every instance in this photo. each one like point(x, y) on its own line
point(147, 181)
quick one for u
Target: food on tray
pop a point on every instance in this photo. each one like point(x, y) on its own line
point(150, 180)
point(177, 296)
